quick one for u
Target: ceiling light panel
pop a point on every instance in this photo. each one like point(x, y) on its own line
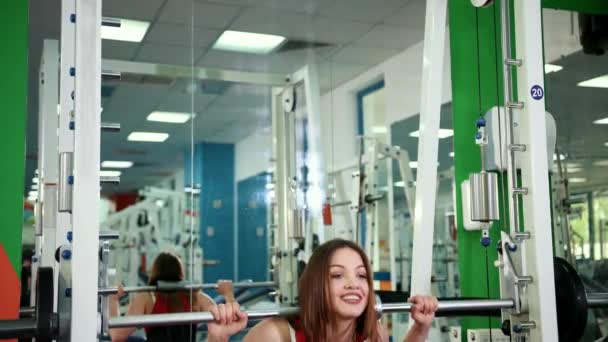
point(129, 31)
point(247, 42)
point(549, 68)
point(169, 117)
point(109, 173)
point(598, 82)
point(148, 136)
point(116, 164)
point(603, 121)
point(443, 133)
point(577, 180)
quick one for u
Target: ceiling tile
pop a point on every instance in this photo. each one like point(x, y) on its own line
point(299, 26)
point(412, 15)
point(201, 14)
point(362, 10)
point(306, 6)
point(132, 9)
point(184, 35)
point(167, 54)
point(391, 37)
point(277, 63)
point(333, 74)
point(114, 49)
point(355, 54)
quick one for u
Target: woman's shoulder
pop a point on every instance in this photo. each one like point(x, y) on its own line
point(271, 329)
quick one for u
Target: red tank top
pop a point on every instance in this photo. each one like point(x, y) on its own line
point(301, 337)
point(161, 305)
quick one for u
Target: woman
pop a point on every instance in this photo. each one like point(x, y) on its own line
point(166, 267)
point(336, 304)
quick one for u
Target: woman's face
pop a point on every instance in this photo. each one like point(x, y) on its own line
point(348, 283)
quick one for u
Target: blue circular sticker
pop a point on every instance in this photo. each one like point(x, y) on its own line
point(537, 92)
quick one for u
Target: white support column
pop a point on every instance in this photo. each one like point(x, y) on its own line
point(85, 212)
point(66, 104)
point(428, 144)
point(47, 149)
point(537, 255)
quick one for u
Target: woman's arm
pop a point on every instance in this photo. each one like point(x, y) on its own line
point(136, 307)
point(272, 329)
point(423, 313)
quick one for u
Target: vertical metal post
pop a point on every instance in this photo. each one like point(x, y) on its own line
point(47, 148)
point(284, 251)
point(538, 253)
point(430, 114)
point(85, 214)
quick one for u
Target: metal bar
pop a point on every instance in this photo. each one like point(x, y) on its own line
point(22, 328)
point(597, 300)
point(109, 236)
point(110, 75)
point(109, 180)
point(27, 311)
point(64, 202)
point(185, 287)
point(110, 127)
point(445, 307)
point(110, 22)
point(191, 317)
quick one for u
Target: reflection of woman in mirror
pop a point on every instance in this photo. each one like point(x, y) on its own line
point(166, 267)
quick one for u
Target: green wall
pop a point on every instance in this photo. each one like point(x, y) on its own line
point(584, 6)
point(13, 95)
point(476, 87)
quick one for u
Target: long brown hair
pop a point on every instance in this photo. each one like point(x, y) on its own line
point(316, 305)
point(168, 267)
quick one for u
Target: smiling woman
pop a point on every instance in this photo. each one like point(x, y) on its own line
point(336, 304)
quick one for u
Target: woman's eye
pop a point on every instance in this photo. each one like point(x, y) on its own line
point(336, 275)
point(363, 276)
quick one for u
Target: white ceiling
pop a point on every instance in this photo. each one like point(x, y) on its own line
point(362, 33)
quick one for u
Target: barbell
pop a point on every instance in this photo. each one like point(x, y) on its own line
point(179, 286)
point(44, 326)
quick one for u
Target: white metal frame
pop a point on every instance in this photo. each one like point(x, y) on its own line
point(86, 200)
point(430, 114)
point(537, 253)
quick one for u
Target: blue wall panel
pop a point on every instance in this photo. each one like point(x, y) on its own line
point(252, 228)
point(214, 171)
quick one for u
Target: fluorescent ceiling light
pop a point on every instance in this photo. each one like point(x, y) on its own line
point(574, 169)
point(148, 136)
point(34, 186)
point(109, 173)
point(561, 157)
point(598, 82)
point(129, 31)
point(577, 180)
point(32, 198)
point(35, 180)
point(269, 186)
point(603, 121)
point(115, 164)
point(379, 130)
point(248, 42)
point(33, 193)
point(452, 154)
point(606, 144)
point(399, 184)
point(413, 165)
point(170, 117)
point(549, 68)
point(601, 163)
point(443, 133)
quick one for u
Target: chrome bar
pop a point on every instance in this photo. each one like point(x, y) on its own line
point(597, 300)
point(450, 306)
point(191, 317)
point(110, 22)
point(27, 311)
point(110, 127)
point(185, 287)
point(110, 75)
point(109, 236)
point(109, 180)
